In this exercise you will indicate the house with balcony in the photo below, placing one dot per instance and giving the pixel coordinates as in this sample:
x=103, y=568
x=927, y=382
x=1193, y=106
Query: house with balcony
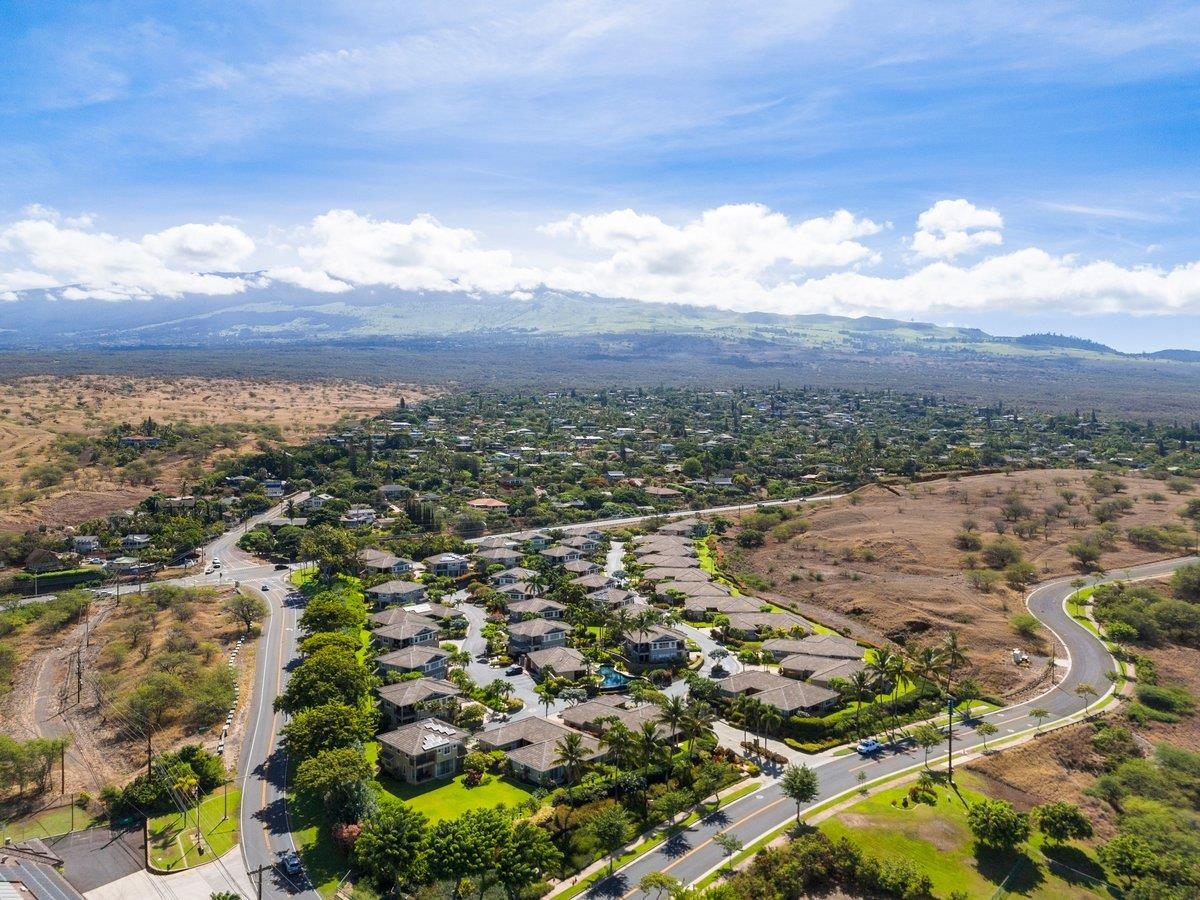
x=447, y=565
x=655, y=647
x=422, y=751
x=420, y=698
x=428, y=661
x=395, y=593
x=535, y=607
x=406, y=630
x=535, y=634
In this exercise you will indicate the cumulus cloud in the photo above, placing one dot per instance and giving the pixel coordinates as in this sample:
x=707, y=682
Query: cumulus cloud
x=422, y=254
x=201, y=248
x=951, y=228
x=742, y=257
x=42, y=253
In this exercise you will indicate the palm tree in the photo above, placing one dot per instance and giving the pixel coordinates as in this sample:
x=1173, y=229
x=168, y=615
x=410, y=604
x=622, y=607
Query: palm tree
x=740, y=707
x=674, y=711
x=619, y=741
x=545, y=698
x=953, y=658
x=620, y=623
x=887, y=668
x=188, y=786
x=698, y=720
x=649, y=745
x=860, y=686
x=571, y=755
x=770, y=719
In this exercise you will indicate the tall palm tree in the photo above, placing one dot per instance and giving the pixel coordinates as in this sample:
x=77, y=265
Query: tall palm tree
x=770, y=719
x=740, y=707
x=649, y=745
x=883, y=667
x=860, y=686
x=698, y=720
x=619, y=741
x=572, y=755
x=954, y=657
x=620, y=623
x=674, y=711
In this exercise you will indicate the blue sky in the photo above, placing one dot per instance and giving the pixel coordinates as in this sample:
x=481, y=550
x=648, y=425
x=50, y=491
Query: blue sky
x=670, y=151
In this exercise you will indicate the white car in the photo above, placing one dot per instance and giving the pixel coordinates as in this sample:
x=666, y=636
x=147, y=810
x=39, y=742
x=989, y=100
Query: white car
x=869, y=746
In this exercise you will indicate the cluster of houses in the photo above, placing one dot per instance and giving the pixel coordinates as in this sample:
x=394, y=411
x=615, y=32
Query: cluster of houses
x=809, y=663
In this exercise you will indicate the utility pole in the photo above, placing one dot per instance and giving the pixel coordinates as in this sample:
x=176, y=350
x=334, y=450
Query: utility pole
x=259, y=872
x=149, y=753
x=62, y=764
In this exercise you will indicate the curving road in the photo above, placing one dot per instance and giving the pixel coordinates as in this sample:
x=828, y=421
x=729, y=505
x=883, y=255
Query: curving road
x=691, y=855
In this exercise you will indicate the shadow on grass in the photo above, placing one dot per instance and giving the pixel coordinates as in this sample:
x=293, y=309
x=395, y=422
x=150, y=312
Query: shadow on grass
x=1074, y=866
x=1011, y=868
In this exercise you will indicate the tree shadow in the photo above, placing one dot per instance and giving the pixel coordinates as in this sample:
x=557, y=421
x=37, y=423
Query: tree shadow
x=1012, y=868
x=676, y=845
x=615, y=885
x=1073, y=865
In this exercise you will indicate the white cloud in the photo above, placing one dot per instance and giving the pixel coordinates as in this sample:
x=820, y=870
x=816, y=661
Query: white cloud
x=201, y=247
x=419, y=255
x=951, y=228
x=728, y=256
x=39, y=253
x=310, y=279
x=741, y=257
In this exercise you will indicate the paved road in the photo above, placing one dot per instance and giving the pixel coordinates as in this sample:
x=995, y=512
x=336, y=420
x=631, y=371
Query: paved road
x=691, y=855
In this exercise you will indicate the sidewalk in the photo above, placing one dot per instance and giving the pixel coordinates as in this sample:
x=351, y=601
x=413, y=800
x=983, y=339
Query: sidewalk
x=198, y=883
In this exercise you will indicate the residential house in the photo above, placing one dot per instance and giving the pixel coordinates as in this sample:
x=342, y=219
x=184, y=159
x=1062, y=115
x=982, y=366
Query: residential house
x=692, y=528
x=358, y=517
x=565, y=662
x=663, y=561
x=420, y=698
x=130, y=567
x=613, y=598
x=535, y=634
x=790, y=697
x=500, y=556
x=595, y=716
x=380, y=561
x=445, y=616
x=532, y=747
x=703, y=608
x=655, y=647
x=394, y=491
x=512, y=576
x=395, y=593
x=537, y=540
x=671, y=591
x=430, y=661
x=85, y=543
x=135, y=541
x=581, y=567
x=422, y=751
x=447, y=565
x=752, y=626
x=582, y=543
x=141, y=441
x=495, y=541
x=489, y=505
x=829, y=645
x=274, y=487
x=561, y=555
x=518, y=591
x=594, y=582
x=535, y=607
x=406, y=631
x=314, y=501
x=663, y=574
x=821, y=670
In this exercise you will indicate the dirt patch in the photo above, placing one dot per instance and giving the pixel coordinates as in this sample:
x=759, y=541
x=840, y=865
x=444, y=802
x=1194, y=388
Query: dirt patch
x=36, y=411
x=891, y=564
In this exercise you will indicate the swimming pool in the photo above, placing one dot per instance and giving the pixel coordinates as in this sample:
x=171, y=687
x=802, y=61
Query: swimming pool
x=611, y=679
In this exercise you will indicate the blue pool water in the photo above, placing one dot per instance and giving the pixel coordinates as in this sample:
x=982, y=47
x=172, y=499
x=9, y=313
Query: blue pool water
x=611, y=679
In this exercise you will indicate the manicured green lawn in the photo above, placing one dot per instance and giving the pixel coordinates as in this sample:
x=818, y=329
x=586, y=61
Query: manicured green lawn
x=440, y=800
x=937, y=841
x=47, y=823
x=173, y=846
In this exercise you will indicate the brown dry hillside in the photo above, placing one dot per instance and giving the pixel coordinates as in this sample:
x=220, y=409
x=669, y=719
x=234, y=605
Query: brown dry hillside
x=35, y=411
x=889, y=560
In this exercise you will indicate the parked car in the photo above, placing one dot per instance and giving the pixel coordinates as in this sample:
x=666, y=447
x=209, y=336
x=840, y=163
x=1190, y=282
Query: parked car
x=869, y=746
x=514, y=669
x=281, y=566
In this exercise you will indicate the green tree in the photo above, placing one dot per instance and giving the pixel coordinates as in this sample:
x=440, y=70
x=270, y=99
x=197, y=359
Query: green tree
x=671, y=804
x=1185, y=583
x=985, y=730
x=245, y=608
x=660, y=883
x=927, y=737
x=329, y=611
x=1085, y=691
x=329, y=726
x=526, y=857
x=1128, y=856
x=470, y=845
x=610, y=829
x=333, y=776
x=571, y=754
x=327, y=676
x=391, y=846
x=995, y=824
x=1039, y=714
x=799, y=784
x=728, y=842
x=1061, y=821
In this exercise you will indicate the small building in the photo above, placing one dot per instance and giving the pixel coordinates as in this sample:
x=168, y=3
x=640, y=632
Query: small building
x=581, y=567
x=561, y=555
x=447, y=565
x=595, y=717
x=821, y=670
x=358, y=517
x=692, y=528
x=833, y=646
x=655, y=647
x=274, y=487
x=535, y=607
x=594, y=582
x=703, y=608
x=537, y=540
x=396, y=593
x=790, y=697
x=429, y=661
x=489, y=505
x=411, y=701
x=314, y=501
x=380, y=561
x=533, y=745
x=613, y=598
x=752, y=626
x=565, y=662
x=500, y=556
x=535, y=634
x=406, y=631
x=135, y=542
x=422, y=751
x=394, y=491
x=85, y=543
x=514, y=575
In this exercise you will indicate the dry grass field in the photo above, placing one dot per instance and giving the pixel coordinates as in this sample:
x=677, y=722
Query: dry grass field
x=889, y=560
x=35, y=411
